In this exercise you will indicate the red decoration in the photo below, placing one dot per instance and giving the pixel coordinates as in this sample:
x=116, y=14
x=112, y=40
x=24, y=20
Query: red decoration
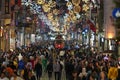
x=59, y=43
x=91, y=25
x=19, y=3
x=59, y=46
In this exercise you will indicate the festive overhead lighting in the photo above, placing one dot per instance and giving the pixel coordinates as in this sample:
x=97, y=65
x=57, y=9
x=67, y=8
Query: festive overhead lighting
x=76, y=2
x=55, y=11
x=74, y=18
x=86, y=1
x=66, y=15
x=46, y=7
x=85, y=7
x=52, y=4
x=68, y=3
x=67, y=0
x=47, y=11
x=50, y=16
x=70, y=7
x=71, y=12
x=77, y=9
x=40, y=1
x=77, y=15
x=26, y=2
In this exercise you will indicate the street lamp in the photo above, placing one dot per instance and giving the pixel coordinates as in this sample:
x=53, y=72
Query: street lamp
x=1, y=34
x=1, y=31
x=110, y=37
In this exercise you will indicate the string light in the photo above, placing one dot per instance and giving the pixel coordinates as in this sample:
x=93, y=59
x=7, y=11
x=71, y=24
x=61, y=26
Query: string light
x=47, y=11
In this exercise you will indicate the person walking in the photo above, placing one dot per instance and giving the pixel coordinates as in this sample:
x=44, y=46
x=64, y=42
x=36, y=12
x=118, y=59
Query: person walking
x=26, y=71
x=50, y=70
x=3, y=76
x=112, y=72
x=31, y=75
x=69, y=67
x=57, y=68
x=118, y=77
x=38, y=70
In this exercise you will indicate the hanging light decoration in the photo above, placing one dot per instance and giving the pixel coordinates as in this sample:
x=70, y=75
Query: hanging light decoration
x=74, y=18
x=85, y=7
x=69, y=5
x=86, y=1
x=55, y=11
x=76, y=2
x=68, y=19
x=50, y=16
x=40, y=1
x=49, y=13
x=77, y=9
x=77, y=15
x=67, y=0
x=71, y=12
x=52, y=4
x=46, y=7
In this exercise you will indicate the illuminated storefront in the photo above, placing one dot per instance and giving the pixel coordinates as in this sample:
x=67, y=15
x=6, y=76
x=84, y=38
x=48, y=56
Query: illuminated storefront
x=108, y=24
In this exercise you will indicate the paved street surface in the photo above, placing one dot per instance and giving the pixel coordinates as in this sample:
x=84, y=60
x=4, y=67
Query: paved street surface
x=45, y=76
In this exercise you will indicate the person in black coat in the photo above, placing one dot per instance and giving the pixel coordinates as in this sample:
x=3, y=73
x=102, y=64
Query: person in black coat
x=50, y=69
x=38, y=70
x=31, y=75
x=118, y=77
x=69, y=67
x=26, y=71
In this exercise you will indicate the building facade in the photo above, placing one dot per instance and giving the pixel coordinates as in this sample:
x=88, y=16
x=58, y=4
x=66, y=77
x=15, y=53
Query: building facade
x=6, y=29
x=109, y=28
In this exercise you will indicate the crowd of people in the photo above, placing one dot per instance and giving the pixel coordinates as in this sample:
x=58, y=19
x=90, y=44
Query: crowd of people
x=31, y=63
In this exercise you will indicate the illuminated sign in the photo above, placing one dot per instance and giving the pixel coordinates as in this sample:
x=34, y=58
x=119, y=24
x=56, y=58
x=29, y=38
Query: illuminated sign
x=116, y=13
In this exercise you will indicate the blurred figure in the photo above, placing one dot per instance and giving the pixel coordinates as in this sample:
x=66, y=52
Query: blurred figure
x=118, y=77
x=31, y=76
x=50, y=70
x=69, y=67
x=38, y=70
x=103, y=75
x=44, y=63
x=15, y=77
x=57, y=68
x=112, y=72
x=83, y=74
x=3, y=76
x=92, y=77
x=21, y=66
x=26, y=71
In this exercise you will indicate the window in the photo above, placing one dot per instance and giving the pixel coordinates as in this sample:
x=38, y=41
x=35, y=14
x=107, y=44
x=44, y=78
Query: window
x=7, y=6
x=0, y=5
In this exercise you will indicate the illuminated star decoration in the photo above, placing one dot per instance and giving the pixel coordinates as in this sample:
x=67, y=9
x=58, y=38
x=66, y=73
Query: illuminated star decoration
x=70, y=7
x=67, y=0
x=78, y=16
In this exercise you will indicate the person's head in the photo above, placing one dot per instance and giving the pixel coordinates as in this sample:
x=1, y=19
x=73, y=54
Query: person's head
x=28, y=66
x=83, y=70
x=2, y=75
x=112, y=64
x=14, y=74
x=30, y=73
x=92, y=77
x=102, y=75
